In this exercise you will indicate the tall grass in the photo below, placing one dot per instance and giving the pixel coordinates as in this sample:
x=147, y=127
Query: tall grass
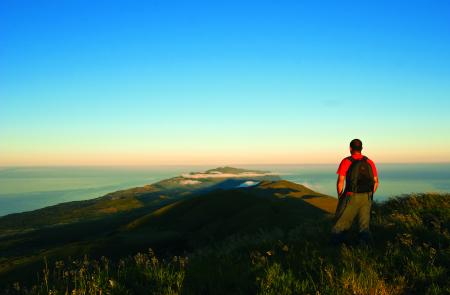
x=410, y=255
x=143, y=273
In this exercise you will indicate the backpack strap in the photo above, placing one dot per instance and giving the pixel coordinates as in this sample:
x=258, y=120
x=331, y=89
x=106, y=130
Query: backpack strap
x=347, y=176
x=351, y=159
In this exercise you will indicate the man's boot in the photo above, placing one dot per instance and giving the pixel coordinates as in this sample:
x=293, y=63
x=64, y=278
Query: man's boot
x=337, y=238
x=365, y=239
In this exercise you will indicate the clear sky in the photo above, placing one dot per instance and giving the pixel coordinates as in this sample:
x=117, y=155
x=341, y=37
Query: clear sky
x=223, y=82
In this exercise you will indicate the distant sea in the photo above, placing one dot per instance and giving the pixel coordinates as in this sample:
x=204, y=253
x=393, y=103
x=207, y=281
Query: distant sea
x=24, y=189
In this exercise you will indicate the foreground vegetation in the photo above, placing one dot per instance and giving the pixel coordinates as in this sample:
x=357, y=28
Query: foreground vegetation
x=410, y=255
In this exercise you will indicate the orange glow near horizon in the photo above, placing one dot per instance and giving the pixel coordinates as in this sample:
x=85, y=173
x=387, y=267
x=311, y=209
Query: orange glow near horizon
x=236, y=157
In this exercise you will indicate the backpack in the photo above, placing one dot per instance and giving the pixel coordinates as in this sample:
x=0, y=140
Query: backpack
x=359, y=178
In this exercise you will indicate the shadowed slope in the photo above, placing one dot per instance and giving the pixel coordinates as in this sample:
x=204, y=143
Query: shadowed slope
x=284, y=188
x=171, y=216
x=129, y=199
x=410, y=256
x=213, y=216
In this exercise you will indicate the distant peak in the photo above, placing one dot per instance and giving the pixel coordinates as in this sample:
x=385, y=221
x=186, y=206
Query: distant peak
x=233, y=170
x=227, y=172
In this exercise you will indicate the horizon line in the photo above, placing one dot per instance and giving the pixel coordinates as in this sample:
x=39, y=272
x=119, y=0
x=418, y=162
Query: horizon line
x=200, y=165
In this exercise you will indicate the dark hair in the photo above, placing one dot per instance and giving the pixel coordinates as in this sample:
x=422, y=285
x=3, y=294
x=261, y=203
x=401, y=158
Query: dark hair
x=356, y=145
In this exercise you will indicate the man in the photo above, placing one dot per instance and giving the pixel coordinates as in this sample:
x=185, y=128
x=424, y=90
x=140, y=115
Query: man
x=361, y=181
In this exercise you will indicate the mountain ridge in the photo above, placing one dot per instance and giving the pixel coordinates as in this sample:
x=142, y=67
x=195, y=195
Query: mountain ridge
x=169, y=215
x=121, y=200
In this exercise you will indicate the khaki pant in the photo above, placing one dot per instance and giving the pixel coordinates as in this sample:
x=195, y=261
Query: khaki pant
x=352, y=206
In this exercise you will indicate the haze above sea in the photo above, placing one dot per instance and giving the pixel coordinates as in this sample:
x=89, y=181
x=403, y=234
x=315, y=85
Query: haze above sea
x=30, y=188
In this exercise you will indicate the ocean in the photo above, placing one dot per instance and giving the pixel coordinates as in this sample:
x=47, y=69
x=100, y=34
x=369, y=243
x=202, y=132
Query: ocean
x=29, y=188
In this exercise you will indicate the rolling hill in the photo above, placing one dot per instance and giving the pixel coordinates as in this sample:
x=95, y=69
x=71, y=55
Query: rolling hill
x=224, y=231
x=176, y=215
x=157, y=194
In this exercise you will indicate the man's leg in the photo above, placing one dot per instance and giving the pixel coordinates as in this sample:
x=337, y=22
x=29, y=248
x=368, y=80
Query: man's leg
x=364, y=218
x=342, y=203
x=345, y=214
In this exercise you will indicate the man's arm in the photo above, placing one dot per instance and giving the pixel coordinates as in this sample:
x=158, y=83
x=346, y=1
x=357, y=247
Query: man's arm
x=375, y=175
x=340, y=185
x=375, y=179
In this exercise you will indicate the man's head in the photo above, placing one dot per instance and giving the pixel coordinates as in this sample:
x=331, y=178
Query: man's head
x=355, y=146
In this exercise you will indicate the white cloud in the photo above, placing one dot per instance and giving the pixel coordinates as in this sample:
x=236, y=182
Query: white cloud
x=189, y=182
x=225, y=175
x=248, y=183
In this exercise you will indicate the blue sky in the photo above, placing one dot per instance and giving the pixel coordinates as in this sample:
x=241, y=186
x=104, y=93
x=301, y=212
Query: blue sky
x=209, y=82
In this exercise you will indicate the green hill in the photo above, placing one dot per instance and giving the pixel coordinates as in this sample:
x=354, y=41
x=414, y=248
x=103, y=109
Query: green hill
x=120, y=223
x=157, y=194
x=223, y=231
x=208, y=218
x=411, y=255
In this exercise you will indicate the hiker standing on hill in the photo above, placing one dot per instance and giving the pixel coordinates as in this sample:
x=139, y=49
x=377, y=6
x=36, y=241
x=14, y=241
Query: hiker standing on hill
x=361, y=182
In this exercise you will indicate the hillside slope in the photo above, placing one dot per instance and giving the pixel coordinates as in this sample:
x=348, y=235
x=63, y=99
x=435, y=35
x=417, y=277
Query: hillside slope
x=127, y=200
x=208, y=218
x=198, y=208
x=411, y=255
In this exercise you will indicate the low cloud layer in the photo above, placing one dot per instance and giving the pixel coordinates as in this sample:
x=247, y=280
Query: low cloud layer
x=225, y=175
x=248, y=183
x=189, y=182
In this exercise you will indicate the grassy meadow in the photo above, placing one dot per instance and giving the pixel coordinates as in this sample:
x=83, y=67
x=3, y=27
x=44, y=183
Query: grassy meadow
x=410, y=255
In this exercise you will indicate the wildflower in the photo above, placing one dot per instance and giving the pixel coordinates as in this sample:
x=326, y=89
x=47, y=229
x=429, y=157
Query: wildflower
x=104, y=260
x=182, y=262
x=139, y=259
x=405, y=239
x=329, y=272
x=285, y=248
x=112, y=283
x=86, y=260
x=269, y=253
x=121, y=263
x=154, y=261
x=59, y=264
x=432, y=252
